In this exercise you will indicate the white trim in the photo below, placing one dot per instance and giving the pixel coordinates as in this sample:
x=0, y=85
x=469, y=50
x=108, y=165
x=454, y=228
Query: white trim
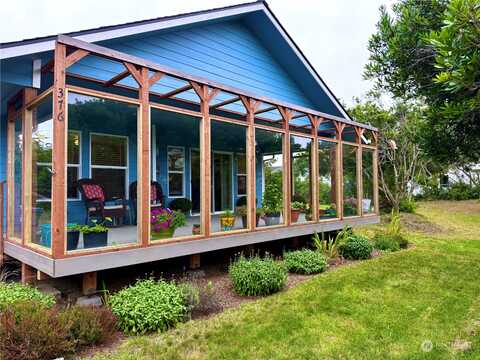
x=176, y=172
x=126, y=168
x=49, y=44
x=37, y=73
x=153, y=152
x=213, y=212
x=190, y=183
x=241, y=174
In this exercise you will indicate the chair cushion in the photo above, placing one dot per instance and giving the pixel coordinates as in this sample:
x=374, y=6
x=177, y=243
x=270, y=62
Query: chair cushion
x=93, y=191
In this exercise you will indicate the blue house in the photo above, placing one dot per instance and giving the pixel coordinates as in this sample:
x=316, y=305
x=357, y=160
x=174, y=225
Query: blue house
x=169, y=137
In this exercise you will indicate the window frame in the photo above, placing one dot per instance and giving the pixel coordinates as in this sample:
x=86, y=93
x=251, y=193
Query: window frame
x=176, y=172
x=237, y=155
x=78, y=166
x=126, y=167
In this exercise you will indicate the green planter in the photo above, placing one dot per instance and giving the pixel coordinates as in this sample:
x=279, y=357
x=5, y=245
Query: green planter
x=162, y=234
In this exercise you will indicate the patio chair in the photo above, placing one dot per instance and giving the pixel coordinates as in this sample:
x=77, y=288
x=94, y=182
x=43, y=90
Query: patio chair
x=93, y=195
x=157, y=199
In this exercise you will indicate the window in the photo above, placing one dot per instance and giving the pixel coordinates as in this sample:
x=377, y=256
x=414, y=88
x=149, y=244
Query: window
x=44, y=165
x=241, y=175
x=109, y=164
x=176, y=170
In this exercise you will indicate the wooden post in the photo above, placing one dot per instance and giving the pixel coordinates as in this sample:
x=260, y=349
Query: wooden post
x=28, y=95
x=287, y=165
x=194, y=261
x=89, y=283
x=205, y=96
x=59, y=193
x=29, y=274
x=376, y=199
x=359, y=132
x=314, y=166
x=339, y=174
x=10, y=168
x=251, y=107
x=2, y=204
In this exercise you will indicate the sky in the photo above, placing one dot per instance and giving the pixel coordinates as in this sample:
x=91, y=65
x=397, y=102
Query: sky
x=333, y=34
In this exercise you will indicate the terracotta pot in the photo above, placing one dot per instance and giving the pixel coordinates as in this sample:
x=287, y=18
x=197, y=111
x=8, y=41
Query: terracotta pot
x=196, y=230
x=294, y=214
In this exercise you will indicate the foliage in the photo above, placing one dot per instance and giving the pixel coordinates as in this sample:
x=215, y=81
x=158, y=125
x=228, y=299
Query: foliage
x=407, y=205
x=191, y=296
x=181, y=204
x=272, y=200
x=89, y=325
x=30, y=331
x=148, y=305
x=356, y=247
x=330, y=247
x=458, y=191
x=297, y=205
x=241, y=201
x=256, y=276
x=11, y=293
x=382, y=241
x=95, y=226
x=164, y=218
x=241, y=210
x=426, y=52
x=227, y=214
x=200, y=298
x=305, y=261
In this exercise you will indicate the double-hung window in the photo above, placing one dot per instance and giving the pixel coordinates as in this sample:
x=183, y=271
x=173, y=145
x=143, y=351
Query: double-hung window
x=44, y=165
x=241, y=175
x=176, y=171
x=109, y=163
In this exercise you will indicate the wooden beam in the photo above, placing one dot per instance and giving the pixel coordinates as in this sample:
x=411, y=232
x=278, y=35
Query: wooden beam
x=315, y=166
x=10, y=168
x=287, y=165
x=267, y=109
x=176, y=91
x=47, y=67
x=339, y=173
x=144, y=159
x=29, y=274
x=2, y=206
x=27, y=198
x=59, y=198
x=117, y=78
x=75, y=56
x=226, y=102
x=89, y=283
x=123, y=57
x=376, y=164
x=194, y=261
x=359, y=181
x=155, y=78
x=134, y=72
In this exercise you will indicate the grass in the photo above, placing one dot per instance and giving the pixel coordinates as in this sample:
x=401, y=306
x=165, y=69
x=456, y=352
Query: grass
x=384, y=308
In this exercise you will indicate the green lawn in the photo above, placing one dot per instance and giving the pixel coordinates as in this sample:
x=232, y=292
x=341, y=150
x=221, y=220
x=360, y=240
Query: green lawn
x=383, y=308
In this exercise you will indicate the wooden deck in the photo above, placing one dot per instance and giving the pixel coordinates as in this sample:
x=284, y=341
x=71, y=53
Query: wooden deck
x=118, y=258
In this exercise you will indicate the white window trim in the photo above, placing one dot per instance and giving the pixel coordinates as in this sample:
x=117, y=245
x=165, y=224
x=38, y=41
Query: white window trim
x=126, y=168
x=229, y=153
x=79, y=166
x=176, y=172
x=241, y=174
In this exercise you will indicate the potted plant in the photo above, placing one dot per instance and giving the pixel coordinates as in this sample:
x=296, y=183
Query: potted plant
x=272, y=203
x=94, y=235
x=227, y=220
x=73, y=235
x=181, y=204
x=196, y=229
x=242, y=211
x=297, y=207
x=164, y=222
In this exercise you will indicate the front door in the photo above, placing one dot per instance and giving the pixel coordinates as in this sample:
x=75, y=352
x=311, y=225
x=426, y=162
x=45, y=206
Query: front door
x=222, y=182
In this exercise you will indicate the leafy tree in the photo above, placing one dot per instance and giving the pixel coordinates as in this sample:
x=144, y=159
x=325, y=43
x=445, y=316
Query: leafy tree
x=427, y=52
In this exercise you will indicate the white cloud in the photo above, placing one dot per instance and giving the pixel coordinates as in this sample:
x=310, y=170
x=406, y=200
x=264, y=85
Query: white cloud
x=332, y=34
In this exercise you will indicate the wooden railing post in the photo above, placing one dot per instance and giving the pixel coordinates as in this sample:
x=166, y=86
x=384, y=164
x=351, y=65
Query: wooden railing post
x=206, y=95
x=2, y=204
x=251, y=107
x=376, y=164
x=359, y=133
x=339, y=174
x=59, y=193
x=314, y=166
x=287, y=164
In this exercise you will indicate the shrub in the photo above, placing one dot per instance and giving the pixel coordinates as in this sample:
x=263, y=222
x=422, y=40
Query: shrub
x=257, y=276
x=181, y=204
x=384, y=242
x=191, y=297
x=356, y=247
x=89, y=325
x=408, y=205
x=148, y=305
x=305, y=261
x=11, y=293
x=28, y=330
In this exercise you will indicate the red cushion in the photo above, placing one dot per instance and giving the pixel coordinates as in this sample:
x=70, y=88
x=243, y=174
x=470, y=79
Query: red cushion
x=93, y=191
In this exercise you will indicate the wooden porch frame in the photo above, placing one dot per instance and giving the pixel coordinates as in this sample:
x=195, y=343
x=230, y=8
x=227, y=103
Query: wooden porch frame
x=206, y=90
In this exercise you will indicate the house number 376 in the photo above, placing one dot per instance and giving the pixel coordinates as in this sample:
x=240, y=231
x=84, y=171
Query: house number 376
x=60, y=99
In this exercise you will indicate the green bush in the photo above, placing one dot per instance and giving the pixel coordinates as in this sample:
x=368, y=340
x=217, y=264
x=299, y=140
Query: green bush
x=384, y=242
x=89, y=325
x=148, y=305
x=256, y=276
x=11, y=293
x=29, y=330
x=408, y=205
x=458, y=191
x=181, y=204
x=356, y=247
x=305, y=261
